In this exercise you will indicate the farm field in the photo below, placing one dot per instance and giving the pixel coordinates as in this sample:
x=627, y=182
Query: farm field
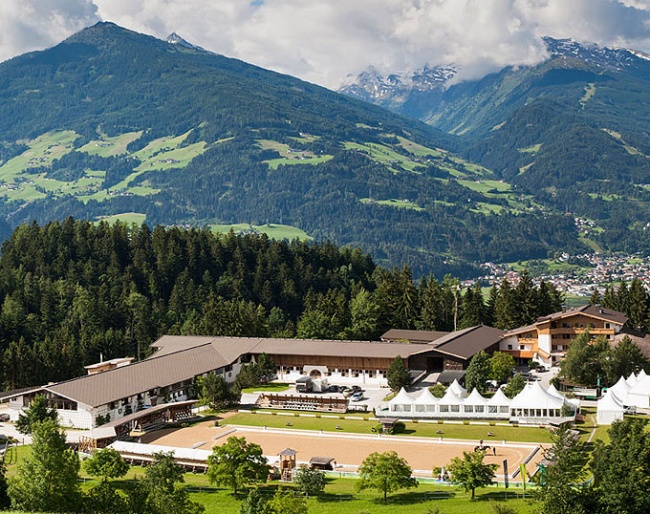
x=273, y=230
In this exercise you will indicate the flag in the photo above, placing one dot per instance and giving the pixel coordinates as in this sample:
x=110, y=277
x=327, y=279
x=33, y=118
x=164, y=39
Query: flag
x=522, y=469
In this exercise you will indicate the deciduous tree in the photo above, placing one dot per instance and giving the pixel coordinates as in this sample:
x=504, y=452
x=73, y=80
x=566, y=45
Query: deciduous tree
x=515, y=385
x=470, y=472
x=309, y=481
x=501, y=366
x=162, y=486
x=237, y=464
x=386, y=472
x=285, y=502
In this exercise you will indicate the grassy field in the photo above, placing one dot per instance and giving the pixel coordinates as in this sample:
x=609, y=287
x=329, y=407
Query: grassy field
x=273, y=230
x=267, y=388
x=110, y=146
x=398, y=204
x=126, y=217
x=291, y=156
x=364, y=426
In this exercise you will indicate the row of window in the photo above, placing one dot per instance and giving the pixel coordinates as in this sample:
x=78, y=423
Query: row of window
x=468, y=409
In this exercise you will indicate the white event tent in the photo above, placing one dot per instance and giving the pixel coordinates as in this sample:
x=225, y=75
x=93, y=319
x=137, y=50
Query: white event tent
x=638, y=394
x=533, y=405
x=609, y=409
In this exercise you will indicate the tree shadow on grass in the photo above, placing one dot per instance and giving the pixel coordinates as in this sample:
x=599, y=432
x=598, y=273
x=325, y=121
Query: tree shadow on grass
x=503, y=496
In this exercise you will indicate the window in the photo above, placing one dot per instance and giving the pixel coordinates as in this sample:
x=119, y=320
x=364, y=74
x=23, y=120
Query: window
x=522, y=347
x=607, y=325
x=455, y=408
x=444, y=408
x=509, y=347
x=566, y=336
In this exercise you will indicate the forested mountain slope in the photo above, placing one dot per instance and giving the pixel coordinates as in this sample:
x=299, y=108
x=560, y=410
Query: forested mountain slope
x=573, y=132
x=111, y=122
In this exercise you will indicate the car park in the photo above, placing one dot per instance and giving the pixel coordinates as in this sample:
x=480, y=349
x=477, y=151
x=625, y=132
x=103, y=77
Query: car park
x=357, y=397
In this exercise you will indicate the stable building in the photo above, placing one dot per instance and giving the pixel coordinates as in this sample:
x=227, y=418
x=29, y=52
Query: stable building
x=119, y=391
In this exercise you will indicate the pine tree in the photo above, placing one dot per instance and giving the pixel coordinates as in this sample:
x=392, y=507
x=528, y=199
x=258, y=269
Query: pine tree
x=397, y=374
x=478, y=372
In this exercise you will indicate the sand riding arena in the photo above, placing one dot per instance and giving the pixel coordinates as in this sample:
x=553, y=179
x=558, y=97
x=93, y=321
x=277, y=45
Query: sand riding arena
x=349, y=450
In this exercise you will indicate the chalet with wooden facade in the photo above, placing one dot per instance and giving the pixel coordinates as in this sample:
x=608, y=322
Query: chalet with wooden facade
x=548, y=339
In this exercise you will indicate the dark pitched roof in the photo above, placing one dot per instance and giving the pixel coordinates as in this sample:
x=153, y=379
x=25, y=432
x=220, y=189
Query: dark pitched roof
x=641, y=339
x=412, y=336
x=118, y=383
x=595, y=311
x=468, y=342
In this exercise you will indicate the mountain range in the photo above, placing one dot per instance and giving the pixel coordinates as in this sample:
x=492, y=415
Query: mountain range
x=115, y=124
x=572, y=131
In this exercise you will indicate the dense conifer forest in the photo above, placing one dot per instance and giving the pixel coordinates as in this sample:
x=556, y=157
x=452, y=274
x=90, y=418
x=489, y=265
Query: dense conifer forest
x=73, y=292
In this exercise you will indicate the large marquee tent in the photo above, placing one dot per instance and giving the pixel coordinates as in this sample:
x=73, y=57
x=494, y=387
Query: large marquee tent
x=609, y=409
x=533, y=405
x=633, y=391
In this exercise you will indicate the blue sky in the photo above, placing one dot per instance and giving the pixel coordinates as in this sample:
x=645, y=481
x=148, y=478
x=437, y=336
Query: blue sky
x=330, y=41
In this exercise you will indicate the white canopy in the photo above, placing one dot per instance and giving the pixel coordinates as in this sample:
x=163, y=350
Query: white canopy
x=609, y=409
x=458, y=389
x=639, y=393
x=552, y=390
x=535, y=397
x=426, y=398
x=620, y=389
x=401, y=397
x=450, y=398
x=499, y=399
x=475, y=398
x=631, y=380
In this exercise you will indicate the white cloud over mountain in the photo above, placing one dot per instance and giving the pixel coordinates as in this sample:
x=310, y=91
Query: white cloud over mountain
x=327, y=41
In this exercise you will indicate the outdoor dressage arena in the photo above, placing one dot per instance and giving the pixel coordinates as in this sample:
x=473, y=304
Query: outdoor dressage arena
x=348, y=449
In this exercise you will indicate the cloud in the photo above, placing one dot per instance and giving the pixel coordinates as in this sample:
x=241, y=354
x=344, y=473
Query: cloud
x=327, y=41
x=27, y=25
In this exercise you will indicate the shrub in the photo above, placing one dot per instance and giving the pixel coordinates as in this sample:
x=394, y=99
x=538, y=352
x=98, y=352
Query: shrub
x=440, y=421
x=465, y=422
x=399, y=427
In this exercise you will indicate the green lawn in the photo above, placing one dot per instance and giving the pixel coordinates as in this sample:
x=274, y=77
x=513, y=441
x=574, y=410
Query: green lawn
x=275, y=387
x=364, y=426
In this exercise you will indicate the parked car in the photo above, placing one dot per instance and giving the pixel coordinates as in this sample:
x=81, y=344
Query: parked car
x=357, y=397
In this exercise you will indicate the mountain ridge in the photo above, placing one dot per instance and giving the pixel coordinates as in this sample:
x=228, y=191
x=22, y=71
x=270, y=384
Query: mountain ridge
x=111, y=122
